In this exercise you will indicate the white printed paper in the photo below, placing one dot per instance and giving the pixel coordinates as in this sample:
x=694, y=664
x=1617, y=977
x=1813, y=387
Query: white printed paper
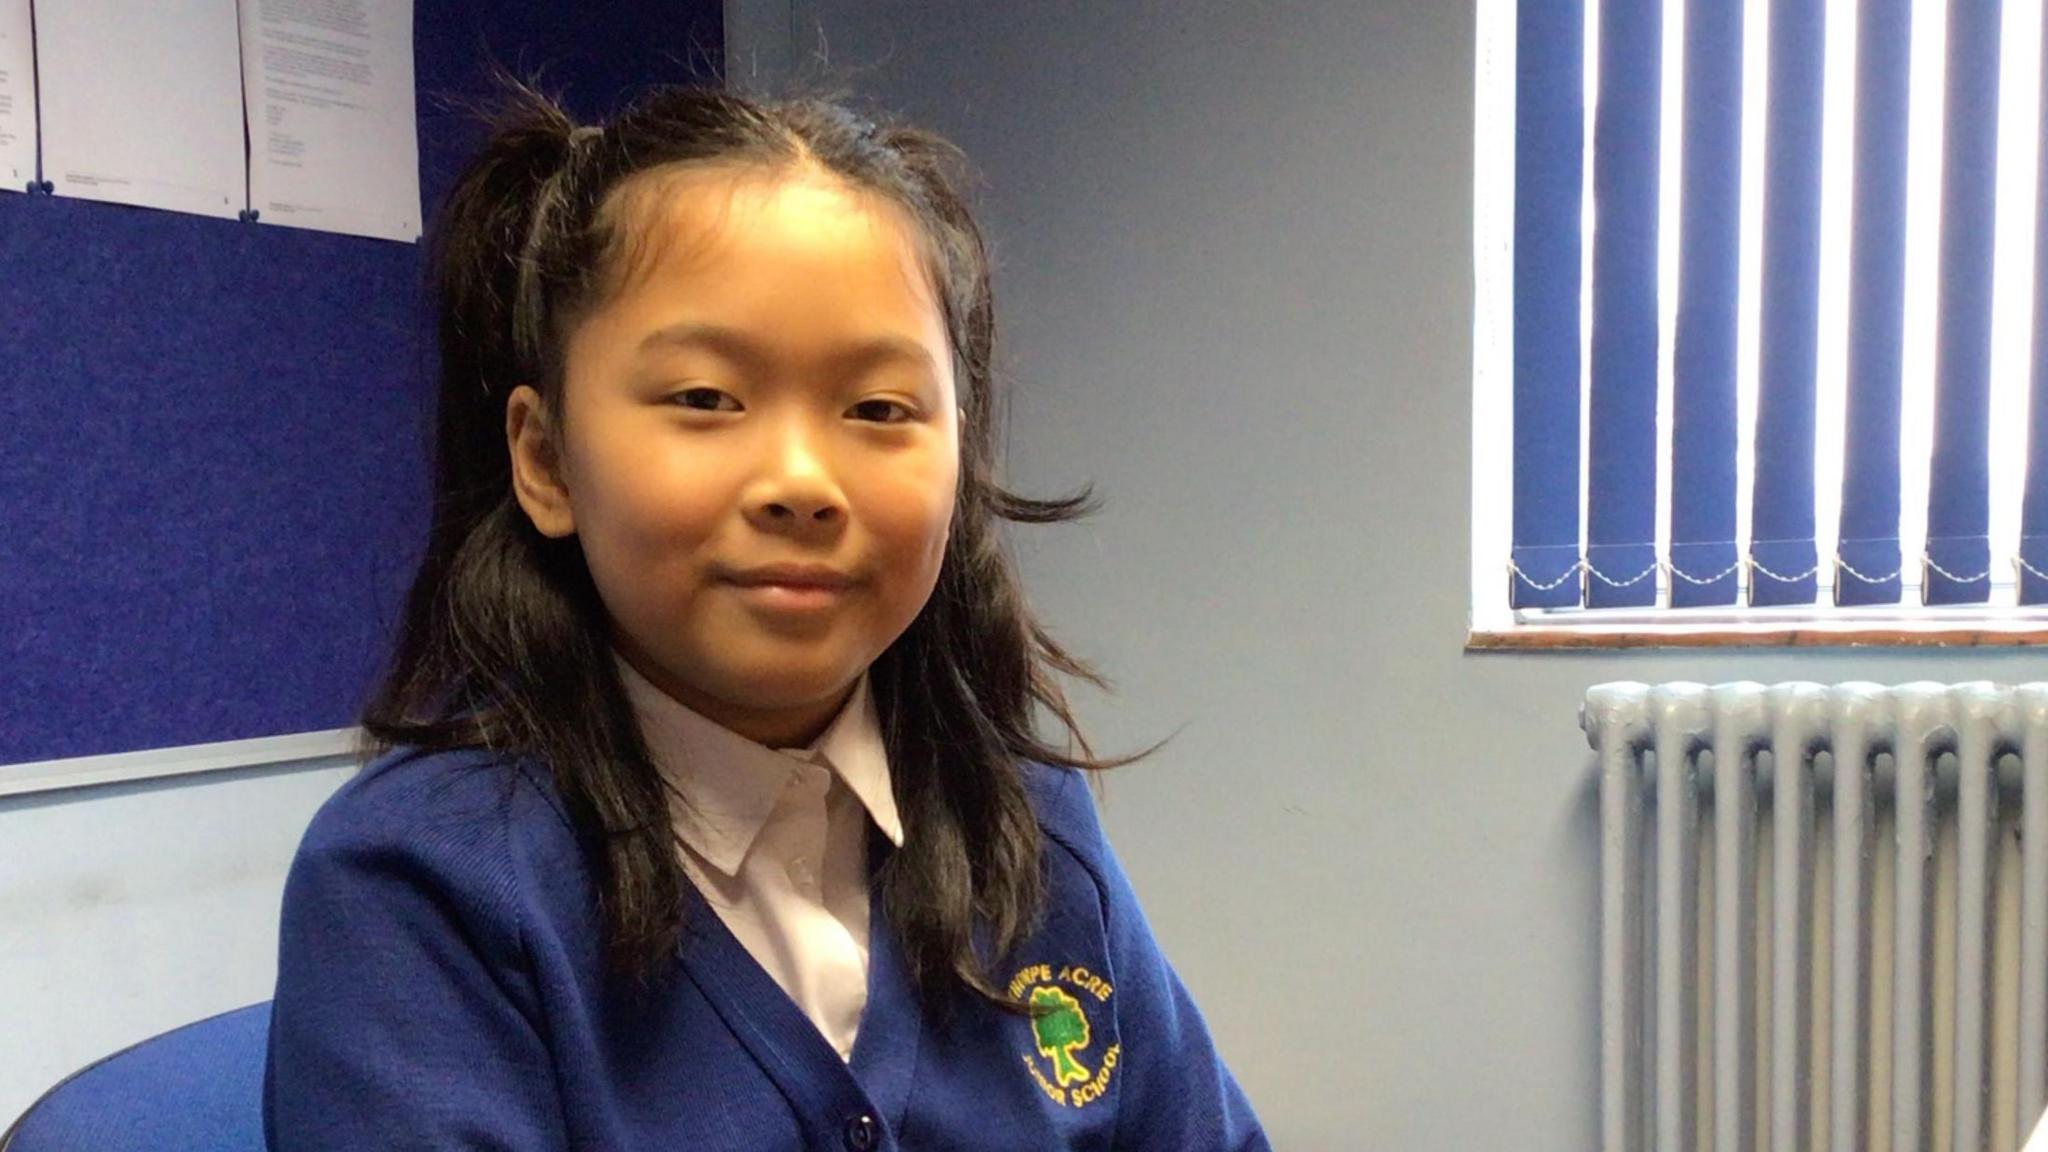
x=2038, y=1142
x=141, y=103
x=17, y=98
x=332, y=137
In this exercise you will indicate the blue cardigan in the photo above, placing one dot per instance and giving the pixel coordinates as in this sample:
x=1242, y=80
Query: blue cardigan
x=439, y=986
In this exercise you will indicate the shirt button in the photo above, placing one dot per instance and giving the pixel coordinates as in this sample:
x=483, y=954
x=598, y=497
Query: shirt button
x=861, y=1133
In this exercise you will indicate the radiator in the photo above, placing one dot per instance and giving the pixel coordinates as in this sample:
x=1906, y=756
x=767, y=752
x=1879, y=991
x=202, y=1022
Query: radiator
x=1872, y=972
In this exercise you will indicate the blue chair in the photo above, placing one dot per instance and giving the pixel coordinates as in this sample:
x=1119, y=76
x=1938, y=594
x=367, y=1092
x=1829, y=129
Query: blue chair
x=198, y=1088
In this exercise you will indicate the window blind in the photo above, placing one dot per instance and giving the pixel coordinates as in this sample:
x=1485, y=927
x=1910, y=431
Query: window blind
x=1801, y=421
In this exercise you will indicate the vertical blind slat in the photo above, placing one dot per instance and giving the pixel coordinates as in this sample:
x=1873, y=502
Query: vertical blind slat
x=1549, y=152
x=2033, y=548
x=1869, y=547
x=1958, y=498
x=1703, y=352
x=1782, y=547
x=1621, y=514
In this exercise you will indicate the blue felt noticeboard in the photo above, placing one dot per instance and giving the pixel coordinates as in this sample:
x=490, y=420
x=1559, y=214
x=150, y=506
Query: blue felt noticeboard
x=213, y=435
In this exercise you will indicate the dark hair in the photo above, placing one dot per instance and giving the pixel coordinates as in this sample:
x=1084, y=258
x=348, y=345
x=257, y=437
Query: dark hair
x=504, y=642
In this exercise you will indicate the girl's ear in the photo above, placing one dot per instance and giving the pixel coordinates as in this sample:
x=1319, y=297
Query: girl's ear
x=536, y=465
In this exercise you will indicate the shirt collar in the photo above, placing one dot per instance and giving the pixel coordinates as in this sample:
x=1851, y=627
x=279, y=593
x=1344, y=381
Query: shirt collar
x=732, y=783
x=852, y=747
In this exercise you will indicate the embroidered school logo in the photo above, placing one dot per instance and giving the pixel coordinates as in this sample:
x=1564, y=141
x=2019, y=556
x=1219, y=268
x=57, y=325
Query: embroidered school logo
x=1062, y=1028
x=1062, y=1037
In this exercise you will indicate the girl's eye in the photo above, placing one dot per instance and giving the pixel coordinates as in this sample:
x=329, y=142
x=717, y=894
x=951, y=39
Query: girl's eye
x=880, y=411
x=705, y=400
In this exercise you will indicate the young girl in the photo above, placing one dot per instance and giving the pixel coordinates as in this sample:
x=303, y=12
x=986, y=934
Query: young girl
x=706, y=810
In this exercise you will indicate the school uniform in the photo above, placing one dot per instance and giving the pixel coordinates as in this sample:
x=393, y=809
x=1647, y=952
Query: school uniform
x=440, y=981
x=775, y=840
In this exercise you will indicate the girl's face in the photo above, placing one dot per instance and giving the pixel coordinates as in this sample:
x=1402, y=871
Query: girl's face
x=772, y=386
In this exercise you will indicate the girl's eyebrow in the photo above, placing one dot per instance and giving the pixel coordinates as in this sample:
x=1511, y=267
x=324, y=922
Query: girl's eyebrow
x=738, y=346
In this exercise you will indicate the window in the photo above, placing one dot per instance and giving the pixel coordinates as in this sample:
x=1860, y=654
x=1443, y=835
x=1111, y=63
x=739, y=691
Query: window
x=1756, y=307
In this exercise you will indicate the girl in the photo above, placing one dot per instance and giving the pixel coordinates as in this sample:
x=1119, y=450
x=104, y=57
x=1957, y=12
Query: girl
x=706, y=810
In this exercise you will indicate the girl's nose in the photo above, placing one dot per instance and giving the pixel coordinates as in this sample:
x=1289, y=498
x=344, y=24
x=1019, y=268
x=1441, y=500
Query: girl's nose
x=796, y=489
x=800, y=510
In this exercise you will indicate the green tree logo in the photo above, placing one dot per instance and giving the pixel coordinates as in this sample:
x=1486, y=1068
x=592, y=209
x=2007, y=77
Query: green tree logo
x=1060, y=1027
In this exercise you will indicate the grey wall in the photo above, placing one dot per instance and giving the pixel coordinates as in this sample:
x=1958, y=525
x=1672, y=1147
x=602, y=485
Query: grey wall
x=1235, y=246
x=129, y=909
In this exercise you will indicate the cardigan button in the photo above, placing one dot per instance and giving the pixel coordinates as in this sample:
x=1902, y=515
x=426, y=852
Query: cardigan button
x=861, y=1134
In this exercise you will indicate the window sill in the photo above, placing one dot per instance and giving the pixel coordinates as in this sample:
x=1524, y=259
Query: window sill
x=1764, y=628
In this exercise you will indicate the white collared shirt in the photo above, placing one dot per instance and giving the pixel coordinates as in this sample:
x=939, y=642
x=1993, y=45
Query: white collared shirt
x=776, y=840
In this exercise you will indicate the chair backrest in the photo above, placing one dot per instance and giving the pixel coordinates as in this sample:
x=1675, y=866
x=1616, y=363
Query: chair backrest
x=198, y=1088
